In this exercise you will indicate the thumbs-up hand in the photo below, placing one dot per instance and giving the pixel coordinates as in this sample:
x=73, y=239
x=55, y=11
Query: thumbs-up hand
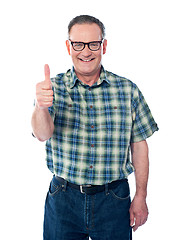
x=44, y=92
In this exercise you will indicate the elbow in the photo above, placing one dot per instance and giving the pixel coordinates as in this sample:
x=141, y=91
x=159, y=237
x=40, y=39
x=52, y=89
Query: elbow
x=43, y=134
x=141, y=146
x=43, y=138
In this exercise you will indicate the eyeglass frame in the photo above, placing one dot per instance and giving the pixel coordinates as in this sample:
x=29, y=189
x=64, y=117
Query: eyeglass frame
x=72, y=42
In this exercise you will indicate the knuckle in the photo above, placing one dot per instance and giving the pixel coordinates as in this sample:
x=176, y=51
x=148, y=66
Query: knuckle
x=46, y=85
x=38, y=85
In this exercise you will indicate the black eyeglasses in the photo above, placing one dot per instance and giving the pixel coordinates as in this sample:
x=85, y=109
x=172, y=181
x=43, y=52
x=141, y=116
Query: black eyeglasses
x=93, y=46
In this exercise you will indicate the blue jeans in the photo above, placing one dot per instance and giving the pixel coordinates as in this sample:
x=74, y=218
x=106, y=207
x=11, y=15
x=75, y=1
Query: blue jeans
x=72, y=215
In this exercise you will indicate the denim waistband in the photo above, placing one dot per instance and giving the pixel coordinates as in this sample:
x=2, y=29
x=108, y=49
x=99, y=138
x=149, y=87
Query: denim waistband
x=90, y=189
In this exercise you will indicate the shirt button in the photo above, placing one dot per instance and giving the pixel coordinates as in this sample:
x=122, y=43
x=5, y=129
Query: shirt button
x=92, y=145
x=91, y=166
x=92, y=126
x=91, y=106
x=115, y=107
x=89, y=89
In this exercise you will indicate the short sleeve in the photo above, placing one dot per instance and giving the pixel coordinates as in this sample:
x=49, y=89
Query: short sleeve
x=144, y=124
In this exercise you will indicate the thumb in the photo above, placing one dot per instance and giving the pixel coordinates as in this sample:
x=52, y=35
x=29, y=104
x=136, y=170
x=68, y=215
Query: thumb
x=132, y=219
x=47, y=73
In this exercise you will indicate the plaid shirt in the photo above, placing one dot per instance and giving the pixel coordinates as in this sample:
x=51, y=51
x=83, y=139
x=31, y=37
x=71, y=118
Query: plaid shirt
x=94, y=127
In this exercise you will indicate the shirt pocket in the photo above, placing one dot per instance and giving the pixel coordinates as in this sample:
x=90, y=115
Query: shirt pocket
x=114, y=117
x=71, y=119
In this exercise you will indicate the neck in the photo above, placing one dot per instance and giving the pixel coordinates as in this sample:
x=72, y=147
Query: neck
x=89, y=79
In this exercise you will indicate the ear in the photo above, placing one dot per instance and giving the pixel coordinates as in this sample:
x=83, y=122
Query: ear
x=104, y=46
x=68, y=47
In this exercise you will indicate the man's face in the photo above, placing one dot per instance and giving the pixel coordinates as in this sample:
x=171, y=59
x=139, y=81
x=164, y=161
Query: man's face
x=86, y=62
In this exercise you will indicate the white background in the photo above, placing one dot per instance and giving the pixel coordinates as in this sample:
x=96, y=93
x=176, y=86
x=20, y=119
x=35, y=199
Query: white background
x=142, y=46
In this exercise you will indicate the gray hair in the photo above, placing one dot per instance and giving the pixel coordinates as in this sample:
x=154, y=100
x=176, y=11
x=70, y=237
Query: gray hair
x=86, y=19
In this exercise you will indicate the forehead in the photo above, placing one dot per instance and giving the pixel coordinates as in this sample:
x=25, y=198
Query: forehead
x=85, y=32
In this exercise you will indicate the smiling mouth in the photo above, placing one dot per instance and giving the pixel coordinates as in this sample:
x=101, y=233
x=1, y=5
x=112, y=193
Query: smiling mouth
x=86, y=60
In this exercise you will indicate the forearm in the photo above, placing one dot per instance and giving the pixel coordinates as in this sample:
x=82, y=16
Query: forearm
x=42, y=124
x=138, y=208
x=140, y=162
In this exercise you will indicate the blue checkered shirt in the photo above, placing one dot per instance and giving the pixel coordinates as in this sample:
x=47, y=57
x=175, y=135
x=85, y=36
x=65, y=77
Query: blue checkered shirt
x=94, y=127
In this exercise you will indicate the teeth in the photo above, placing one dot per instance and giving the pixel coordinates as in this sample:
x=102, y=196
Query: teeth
x=86, y=60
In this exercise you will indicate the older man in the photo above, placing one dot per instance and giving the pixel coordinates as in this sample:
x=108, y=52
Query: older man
x=91, y=119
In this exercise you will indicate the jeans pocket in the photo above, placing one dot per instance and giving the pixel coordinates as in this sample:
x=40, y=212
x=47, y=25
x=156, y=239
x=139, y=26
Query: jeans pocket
x=54, y=188
x=121, y=192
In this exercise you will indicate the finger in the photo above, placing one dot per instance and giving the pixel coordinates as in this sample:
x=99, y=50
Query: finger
x=45, y=92
x=137, y=224
x=44, y=103
x=48, y=99
x=47, y=73
x=144, y=221
x=45, y=99
x=132, y=219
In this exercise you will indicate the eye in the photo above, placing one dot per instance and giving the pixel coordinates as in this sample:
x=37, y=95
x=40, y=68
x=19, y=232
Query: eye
x=78, y=44
x=94, y=44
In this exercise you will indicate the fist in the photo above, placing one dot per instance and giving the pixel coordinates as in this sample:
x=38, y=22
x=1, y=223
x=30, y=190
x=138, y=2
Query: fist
x=44, y=92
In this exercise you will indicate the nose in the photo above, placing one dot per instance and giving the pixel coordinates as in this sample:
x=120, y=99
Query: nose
x=86, y=51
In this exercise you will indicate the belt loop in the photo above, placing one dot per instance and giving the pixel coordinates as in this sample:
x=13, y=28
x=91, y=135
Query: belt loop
x=106, y=189
x=64, y=185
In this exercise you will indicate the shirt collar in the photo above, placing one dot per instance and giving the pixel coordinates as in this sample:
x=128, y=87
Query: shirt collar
x=74, y=78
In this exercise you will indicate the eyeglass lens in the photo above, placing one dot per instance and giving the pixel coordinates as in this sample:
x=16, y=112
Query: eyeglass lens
x=93, y=46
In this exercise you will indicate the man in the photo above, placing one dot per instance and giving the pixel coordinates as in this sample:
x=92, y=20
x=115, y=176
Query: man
x=91, y=118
